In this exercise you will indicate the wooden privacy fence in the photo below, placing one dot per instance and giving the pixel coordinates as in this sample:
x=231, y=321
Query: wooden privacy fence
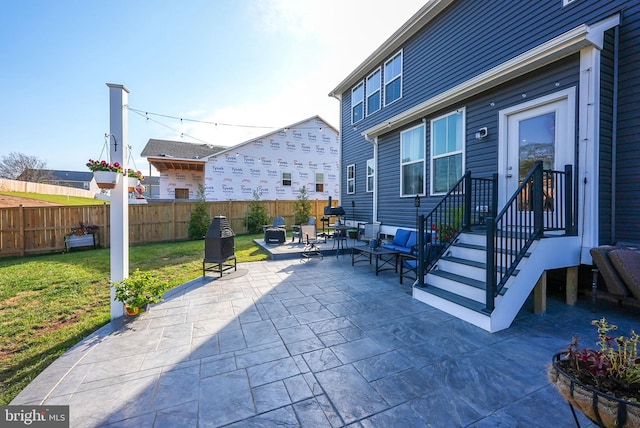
x=40, y=230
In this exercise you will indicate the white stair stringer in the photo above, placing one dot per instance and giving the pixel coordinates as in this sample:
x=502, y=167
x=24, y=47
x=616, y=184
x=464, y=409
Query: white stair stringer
x=451, y=292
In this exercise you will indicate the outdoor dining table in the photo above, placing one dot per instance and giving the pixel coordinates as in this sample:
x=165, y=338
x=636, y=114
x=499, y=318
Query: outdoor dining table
x=385, y=259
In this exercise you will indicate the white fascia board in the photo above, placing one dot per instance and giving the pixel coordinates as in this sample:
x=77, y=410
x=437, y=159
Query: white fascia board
x=559, y=47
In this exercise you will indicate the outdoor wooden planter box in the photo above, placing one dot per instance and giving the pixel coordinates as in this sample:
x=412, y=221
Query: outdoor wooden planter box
x=76, y=241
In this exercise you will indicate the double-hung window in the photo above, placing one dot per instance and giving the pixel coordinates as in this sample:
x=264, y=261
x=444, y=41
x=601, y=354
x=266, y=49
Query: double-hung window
x=351, y=179
x=371, y=171
x=447, y=151
x=393, y=79
x=373, y=92
x=357, y=103
x=319, y=182
x=286, y=179
x=412, y=162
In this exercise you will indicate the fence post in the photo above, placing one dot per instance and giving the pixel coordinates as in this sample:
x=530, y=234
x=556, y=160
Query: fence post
x=173, y=220
x=21, y=240
x=103, y=238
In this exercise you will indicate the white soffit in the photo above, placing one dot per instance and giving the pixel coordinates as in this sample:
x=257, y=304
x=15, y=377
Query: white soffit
x=562, y=46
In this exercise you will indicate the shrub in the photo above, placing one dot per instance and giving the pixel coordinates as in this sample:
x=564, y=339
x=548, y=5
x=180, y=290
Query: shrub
x=257, y=216
x=302, y=207
x=200, y=218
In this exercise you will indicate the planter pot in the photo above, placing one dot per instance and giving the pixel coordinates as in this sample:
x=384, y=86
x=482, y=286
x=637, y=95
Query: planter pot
x=132, y=182
x=603, y=409
x=131, y=310
x=106, y=179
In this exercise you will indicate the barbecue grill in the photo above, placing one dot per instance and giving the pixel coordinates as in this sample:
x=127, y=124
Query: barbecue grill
x=219, y=247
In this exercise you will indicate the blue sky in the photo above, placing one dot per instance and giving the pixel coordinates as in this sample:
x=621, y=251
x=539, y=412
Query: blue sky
x=264, y=63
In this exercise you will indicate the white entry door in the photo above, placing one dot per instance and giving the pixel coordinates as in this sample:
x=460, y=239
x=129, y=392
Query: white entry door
x=542, y=129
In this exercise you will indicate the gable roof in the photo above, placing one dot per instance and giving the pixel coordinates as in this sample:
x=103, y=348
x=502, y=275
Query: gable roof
x=421, y=18
x=262, y=137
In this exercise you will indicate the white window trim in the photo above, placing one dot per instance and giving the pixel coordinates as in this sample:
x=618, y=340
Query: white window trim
x=364, y=100
x=367, y=94
x=461, y=151
x=384, y=79
x=423, y=160
x=353, y=167
x=373, y=175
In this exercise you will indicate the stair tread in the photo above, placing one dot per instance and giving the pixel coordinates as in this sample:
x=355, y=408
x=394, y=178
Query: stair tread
x=458, y=278
x=483, y=248
x=473, y=263
x=459, y=300
x=462, y=279
x=467, y=262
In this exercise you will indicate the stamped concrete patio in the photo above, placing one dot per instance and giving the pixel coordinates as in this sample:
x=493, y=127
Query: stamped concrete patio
x=317, y=344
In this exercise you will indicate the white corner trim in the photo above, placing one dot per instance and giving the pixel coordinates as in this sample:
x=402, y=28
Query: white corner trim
x=559, y=47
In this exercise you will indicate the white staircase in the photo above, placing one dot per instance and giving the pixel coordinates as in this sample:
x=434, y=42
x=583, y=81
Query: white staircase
x=456, y=284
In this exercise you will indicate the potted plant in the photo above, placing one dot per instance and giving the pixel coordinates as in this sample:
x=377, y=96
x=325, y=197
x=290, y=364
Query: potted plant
x=353, y=233
x=133, y=177
x=138, y=290
x=603, y=383
x=106, y=174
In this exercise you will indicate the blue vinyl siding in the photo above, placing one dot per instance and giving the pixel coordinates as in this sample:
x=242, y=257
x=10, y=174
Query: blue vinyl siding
x=628, y=143
x=605, y=183
x=454, y=48
x=481, y=155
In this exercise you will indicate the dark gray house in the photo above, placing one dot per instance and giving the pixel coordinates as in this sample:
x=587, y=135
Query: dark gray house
x=479, y=91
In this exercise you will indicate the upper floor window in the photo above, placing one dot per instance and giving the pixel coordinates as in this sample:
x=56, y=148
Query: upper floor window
x=373, y=92
x=412, y=162
x=357, y=103
x=319, y=182
x=393, y=79
x=286, y=179
x=351, y=179
x=447, y=151
x=371, y=171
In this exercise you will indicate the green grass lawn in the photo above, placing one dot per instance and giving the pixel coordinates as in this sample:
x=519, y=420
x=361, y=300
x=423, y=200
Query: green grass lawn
x=57, y=199
x=49, y=303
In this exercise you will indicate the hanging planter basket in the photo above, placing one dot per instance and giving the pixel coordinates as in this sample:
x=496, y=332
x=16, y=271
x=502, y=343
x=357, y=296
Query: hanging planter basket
x=602, y=409
x=132, y=182
x=106, y=179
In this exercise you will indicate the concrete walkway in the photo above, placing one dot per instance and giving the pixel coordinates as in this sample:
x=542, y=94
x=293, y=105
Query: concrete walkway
x=319, y=343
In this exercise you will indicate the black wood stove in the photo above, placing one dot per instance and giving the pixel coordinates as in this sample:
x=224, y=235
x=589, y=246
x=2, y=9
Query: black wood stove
x=219, y=247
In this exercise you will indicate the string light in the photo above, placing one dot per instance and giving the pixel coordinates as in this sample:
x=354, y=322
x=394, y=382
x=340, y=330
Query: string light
x=182, y=120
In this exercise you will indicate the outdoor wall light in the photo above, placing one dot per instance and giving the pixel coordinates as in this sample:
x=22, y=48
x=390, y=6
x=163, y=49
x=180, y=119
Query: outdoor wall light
x=416, y=201
x=482, y=133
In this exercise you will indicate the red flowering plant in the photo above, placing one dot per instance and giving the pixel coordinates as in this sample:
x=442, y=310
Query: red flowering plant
x=103, y=165
x=135, y=174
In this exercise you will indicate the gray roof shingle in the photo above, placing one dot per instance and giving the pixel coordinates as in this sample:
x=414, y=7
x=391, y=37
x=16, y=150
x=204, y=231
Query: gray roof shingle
x=179, y=149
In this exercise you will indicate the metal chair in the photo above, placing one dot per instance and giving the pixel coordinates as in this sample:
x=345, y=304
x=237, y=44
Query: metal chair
x=296, y=231
x=371, y=231
x=310, y=234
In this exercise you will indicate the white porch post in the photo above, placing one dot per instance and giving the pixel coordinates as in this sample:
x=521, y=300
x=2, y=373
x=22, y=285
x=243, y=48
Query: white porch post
x=119, y=152
x=589, y=131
